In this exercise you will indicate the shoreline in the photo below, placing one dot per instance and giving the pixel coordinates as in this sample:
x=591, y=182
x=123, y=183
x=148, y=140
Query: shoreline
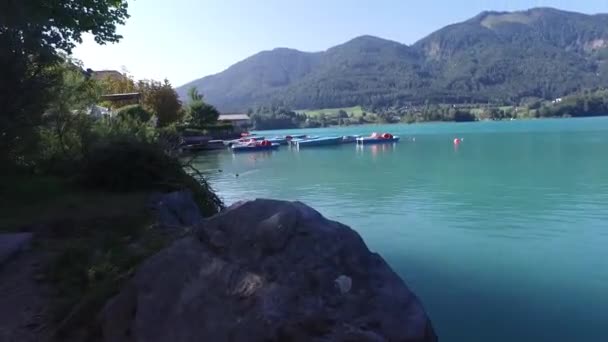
x=426, y=123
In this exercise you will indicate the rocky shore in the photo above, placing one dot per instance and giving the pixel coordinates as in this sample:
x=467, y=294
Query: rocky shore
x=266, y=270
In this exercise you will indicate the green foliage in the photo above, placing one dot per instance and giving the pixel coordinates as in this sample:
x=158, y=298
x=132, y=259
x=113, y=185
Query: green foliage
x=25, y=91
x=32, y=36
x=67, y=119
x=47, y=28
x=134, y=112
x=131, y=165
x=69, y=127
x=577, y=105
x=157, y=98
x=127, y=165
x=276, y=118
x=93, y=259
x=121, y=128
x=115, y=84
x=200, y=113
x=496, y=58
x=356, y=111
x=161, y=99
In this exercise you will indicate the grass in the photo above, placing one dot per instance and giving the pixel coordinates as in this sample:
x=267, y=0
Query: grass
x=91, y=260
x=92, y=241
x=357, y=111
x=35, y=200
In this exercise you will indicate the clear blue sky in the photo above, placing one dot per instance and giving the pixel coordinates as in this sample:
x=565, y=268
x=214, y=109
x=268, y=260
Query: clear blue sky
x=184, y=40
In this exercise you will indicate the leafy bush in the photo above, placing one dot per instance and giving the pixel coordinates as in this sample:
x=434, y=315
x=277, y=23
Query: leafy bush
x=127, y=165
x=124, y=127
x=135, y=112
x=132, y=165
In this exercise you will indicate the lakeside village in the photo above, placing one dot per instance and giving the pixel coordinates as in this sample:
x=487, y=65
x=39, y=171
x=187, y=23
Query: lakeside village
x=231, y=131
x=216, y=131
x=203, y=128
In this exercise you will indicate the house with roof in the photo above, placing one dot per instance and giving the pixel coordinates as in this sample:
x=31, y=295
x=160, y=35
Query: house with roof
x=236, y=120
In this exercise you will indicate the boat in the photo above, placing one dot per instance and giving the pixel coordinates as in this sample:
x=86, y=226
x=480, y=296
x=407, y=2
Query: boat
x=278, y=140
x=204, y=146
x=297, y=136
x=215, y=145
x=294, y=141
x=243, y=140
x=253, y=146
x=376, y=138
x=324, y=141
x=348, y=139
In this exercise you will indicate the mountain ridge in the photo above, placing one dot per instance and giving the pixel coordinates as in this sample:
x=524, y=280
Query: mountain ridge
x=493, y=56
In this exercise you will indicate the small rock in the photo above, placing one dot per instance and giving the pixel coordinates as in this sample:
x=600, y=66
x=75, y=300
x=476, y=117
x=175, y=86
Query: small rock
x=344, y=283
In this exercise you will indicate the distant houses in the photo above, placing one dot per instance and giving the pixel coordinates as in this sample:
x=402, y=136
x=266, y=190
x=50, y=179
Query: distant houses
x=236, y=120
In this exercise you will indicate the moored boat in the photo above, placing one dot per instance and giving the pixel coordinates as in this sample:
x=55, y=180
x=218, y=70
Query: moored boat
x=243, y=140
x=294, y=141
x=376, y=138
x=324, y=141
x=204, y=146
x=253, y=146
x=278, y=140
x=348, y=139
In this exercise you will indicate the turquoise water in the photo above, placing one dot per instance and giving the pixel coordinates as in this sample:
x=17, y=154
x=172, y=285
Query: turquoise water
x=504, y=238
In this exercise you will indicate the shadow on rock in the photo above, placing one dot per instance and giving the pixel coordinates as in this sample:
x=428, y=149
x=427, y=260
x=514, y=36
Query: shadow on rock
x=266, y=270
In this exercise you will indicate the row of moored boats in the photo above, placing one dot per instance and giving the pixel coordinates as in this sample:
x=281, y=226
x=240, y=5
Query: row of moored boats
x=259, y=143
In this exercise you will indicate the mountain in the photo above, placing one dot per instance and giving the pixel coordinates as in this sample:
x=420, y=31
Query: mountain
x=495, y=56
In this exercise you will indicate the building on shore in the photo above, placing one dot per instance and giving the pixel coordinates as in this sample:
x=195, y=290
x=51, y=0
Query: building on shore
x=241, y=121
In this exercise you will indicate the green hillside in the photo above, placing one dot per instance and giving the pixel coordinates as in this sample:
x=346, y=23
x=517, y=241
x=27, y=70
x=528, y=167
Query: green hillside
x=495, y=57
x=356, y=111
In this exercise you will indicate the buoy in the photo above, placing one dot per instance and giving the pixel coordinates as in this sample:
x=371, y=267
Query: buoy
x=456, y=141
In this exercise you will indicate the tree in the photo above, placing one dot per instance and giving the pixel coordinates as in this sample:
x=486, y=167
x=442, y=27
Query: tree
x=68, y=114
x=342, y=114
x=200, y=113
x=160, y=99
x=33, y=36
x=115, y=84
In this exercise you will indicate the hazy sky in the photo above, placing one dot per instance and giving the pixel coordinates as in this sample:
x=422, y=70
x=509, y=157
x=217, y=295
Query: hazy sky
x=184, y=40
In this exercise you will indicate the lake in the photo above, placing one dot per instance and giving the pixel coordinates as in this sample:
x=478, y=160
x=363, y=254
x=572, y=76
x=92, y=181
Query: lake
x=503, y=238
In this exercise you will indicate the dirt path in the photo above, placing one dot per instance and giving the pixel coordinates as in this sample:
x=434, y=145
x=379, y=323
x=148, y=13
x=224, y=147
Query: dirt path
x=24, y=311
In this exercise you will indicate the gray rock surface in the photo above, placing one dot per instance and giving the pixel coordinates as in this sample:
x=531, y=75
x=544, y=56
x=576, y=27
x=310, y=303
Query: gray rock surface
x=266, y=270
x=13, y=243
x=176, y=209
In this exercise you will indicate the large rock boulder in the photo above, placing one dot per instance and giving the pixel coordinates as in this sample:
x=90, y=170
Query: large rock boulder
x=266, y=270
x=176, y=209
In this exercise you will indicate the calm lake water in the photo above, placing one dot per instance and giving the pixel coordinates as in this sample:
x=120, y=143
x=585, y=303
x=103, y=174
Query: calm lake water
x=504, y=238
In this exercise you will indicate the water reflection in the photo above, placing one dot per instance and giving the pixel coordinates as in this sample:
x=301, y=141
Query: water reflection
x=206, y=162
x=252, y=158
x=376, y=149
